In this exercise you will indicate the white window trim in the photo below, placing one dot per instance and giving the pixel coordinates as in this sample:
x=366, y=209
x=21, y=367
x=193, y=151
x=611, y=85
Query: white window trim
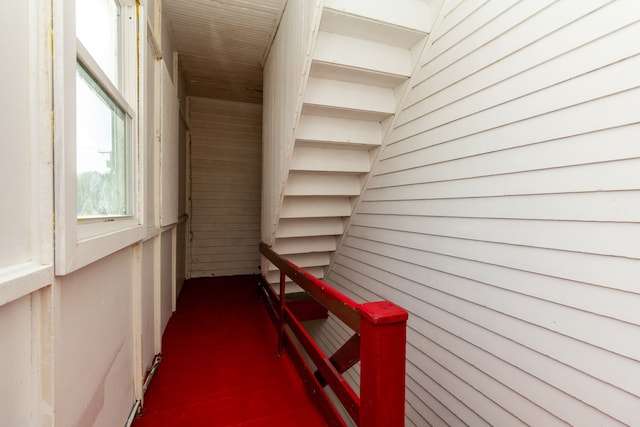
x=78, y=244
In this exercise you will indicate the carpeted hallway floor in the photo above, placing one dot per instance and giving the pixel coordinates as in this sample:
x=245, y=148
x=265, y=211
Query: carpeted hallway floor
x=220, y=366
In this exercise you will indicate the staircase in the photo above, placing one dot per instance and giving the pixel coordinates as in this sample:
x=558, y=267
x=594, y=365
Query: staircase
x=364, y=54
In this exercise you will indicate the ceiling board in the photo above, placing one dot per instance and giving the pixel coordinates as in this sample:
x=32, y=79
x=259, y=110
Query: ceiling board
x=222, y=44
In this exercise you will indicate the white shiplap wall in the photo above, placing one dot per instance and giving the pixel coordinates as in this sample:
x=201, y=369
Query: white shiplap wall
x=504, y=215
x=225, y=187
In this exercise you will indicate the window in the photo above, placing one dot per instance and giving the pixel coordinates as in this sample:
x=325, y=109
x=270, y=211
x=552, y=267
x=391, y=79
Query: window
x=95, y=104
x=98, y=28
x=102, y=152
x=103, y=138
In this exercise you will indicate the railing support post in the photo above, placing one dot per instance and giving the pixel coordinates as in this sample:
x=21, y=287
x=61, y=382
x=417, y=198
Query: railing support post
x=283, y=301
x=382, y=364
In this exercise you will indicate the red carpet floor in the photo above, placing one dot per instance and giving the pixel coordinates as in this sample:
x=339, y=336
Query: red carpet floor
x=220, y=366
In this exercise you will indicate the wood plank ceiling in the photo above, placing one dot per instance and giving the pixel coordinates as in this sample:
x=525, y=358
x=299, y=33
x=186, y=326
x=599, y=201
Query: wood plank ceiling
x=223, y=44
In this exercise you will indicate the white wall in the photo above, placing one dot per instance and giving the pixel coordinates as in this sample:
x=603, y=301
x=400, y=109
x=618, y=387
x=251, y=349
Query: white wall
x=15, y=126
x=75, y=347
x=94, y=377
x=26, y=220
x=503, y=214
x=225, y=187
x=150, y=344
x=15, y=371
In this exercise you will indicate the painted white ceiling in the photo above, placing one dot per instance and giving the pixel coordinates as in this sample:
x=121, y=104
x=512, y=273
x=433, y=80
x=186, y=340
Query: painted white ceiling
x=223, y=44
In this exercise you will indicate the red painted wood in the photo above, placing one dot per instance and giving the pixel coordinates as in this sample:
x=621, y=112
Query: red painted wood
x=344, y=358
x=341, y=306
x=340, y=387
x=347, y=355
x=326, y=369
x=382, y=312
x=305, y=310
x=314, y=388
x=283, y=300
x=382, y=346
x=382, y=364
x=322, y=400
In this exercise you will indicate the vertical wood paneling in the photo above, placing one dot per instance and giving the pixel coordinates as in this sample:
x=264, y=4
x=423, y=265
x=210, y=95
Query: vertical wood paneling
x=16, y=155
x=225, y=187
x=151, y=148
x=95, y=337
x=16, y=389
x=169, y=152
x=503, y=215
x=167, y=279
x=147, y=304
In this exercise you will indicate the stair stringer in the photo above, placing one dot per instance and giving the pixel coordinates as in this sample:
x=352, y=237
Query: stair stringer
x=282, y=106
x=418, y=51
x=346, y=112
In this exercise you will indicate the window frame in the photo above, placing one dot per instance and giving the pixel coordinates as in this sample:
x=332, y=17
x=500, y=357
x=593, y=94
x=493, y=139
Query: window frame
x=79, y=242
x=91, y=69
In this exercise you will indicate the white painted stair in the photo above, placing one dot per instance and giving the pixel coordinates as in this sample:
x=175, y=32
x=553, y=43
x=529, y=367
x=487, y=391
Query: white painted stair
x=364, y=53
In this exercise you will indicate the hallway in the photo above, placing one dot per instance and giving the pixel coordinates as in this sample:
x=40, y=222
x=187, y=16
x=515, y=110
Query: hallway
x=472, y=163
x=220, y=366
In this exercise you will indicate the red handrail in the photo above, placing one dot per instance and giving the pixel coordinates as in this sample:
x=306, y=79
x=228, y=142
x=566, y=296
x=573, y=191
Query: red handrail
x=379, y=344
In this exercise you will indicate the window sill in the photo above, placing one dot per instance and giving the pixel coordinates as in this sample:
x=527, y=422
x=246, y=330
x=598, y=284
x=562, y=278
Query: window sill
x=23, y=279
x=91, y=246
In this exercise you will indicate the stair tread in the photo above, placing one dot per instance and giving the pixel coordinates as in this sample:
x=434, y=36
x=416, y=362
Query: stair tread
x=328, y=111
x=338, y=130
x=307, y=260
x=400, y=21
x=273, y=277
x=316, y=184
x=295, y=245
x=327, y=159
x=309, y=207
x=299, y=227
x=335, y=71
x=361, y=54
x=348, y=100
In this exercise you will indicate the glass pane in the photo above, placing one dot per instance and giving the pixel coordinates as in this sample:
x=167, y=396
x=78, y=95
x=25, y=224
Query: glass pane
x=97, y=27
x=102, y=152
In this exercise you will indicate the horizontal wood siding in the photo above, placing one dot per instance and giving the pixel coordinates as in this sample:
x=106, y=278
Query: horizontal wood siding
x=225, y=187
x=504, y=215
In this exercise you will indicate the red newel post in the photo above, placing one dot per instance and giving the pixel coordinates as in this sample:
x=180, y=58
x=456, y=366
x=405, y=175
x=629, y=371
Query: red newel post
x=383, y=337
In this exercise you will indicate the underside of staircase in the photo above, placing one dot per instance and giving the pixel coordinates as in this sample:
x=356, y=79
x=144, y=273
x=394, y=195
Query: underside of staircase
x=362, y=58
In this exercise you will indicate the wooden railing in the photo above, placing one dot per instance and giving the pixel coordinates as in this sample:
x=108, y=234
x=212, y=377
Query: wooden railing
x=378, y=343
